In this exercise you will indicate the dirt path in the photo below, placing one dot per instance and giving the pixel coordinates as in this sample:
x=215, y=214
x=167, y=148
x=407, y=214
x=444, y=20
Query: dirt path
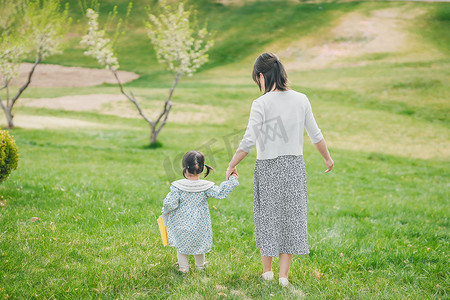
x=48, y=122
x=118, y=105
x=354, y=36
x=58, y=76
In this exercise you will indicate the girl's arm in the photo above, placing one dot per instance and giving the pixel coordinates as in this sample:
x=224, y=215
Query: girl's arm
x=225, y=188
x=171, y=201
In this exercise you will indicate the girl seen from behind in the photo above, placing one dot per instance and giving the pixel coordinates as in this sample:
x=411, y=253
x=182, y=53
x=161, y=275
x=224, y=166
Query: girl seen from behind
x=186, y=213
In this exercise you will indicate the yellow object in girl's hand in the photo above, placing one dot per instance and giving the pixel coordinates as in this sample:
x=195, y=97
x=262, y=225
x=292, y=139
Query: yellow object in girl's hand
x=163, y=231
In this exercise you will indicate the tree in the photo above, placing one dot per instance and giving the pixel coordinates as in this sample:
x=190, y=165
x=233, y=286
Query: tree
x=180, y=43
x=28, y=28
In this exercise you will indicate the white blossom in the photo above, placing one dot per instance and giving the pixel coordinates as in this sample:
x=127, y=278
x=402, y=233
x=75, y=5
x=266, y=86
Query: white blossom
x=176, y=42
x=10, y=57
x=46, y=27
x=98, y=44
x=37, y=29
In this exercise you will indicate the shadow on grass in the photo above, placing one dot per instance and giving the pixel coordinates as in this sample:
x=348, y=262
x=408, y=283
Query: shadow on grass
x=154, y=145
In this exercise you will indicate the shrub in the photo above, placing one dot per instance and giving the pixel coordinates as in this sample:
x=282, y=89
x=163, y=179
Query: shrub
x=9, y=155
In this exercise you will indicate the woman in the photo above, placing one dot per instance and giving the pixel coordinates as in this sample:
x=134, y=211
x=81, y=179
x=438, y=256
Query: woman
x=276, y=125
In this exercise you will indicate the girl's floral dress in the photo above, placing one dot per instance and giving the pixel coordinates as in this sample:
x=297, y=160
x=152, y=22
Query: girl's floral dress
x=186, y=213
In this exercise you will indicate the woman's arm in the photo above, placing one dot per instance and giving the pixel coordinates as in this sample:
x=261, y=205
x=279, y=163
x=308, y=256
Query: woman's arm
x=323, y=149
x=254, y=126
x=316, y=136
x=237, y=158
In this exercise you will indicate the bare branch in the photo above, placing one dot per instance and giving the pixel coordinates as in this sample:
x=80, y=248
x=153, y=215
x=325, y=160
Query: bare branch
x=132, y=98
x=1, y=101
x=118, y=81
x=2, y=105
x=168, y=103
x=13, y=100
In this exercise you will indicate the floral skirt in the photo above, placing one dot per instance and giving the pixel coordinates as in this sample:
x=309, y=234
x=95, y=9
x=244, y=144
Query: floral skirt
x=279, y=206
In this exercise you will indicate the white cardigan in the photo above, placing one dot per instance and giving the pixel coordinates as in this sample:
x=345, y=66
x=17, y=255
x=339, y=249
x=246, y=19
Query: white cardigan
x=277, y=123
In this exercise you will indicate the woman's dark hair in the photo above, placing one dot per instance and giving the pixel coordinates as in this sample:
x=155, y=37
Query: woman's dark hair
x=271, y=67
x=194, y=163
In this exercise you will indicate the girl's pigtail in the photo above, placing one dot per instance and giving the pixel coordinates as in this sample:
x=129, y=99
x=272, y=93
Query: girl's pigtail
x=208, y=169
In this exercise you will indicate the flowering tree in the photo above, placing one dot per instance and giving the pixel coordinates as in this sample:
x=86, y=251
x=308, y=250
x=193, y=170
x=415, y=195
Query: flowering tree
x=28, y=27
x=178, y=41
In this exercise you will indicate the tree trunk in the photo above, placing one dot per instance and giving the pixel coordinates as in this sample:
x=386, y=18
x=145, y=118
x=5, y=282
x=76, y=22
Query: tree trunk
x=153, y=136
x=162, y=119
x=10, y=103
x=9, y=117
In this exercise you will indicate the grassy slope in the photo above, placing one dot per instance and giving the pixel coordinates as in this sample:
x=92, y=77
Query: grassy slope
x=99, y=201
x=238, y=32
x=98, y=192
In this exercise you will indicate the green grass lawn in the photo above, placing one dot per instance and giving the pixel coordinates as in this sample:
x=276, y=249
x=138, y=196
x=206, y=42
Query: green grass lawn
x=378, y=223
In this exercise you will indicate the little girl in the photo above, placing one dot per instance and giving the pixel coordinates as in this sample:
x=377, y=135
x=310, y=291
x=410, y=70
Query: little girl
x=185, y=210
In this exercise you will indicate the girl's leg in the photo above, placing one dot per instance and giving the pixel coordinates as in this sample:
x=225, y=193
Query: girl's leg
x=200, y=261
x=285, y=263
x=183, y=262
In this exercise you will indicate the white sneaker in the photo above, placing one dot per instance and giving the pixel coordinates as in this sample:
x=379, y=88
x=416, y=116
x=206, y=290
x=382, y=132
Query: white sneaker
x=283, y=281
x=201, y=268
x=268, y=275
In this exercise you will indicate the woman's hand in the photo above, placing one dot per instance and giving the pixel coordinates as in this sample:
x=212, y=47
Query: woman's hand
x=330, y=164
x=323, y=150
x=231, y=171
x=237, y=158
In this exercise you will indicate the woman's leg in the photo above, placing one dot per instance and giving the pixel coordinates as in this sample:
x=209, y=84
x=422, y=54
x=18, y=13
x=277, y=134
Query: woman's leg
x=267, y=263
x=267, y=267
x=285, y=263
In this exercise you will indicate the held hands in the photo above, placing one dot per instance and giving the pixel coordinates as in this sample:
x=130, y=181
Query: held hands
x=330, y=164
x=231, y=171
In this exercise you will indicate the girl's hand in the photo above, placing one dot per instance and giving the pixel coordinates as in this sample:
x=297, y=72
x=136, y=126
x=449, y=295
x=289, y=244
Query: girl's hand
x=330, y=164
x=230, y=172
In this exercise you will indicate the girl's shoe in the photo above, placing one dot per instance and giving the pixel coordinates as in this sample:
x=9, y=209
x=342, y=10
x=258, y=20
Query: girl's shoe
x=268, y=275
x=201, y=268
x=283, y=281
x=182, y=270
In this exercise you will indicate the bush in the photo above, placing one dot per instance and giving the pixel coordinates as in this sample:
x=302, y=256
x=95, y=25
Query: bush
x=9, y=155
